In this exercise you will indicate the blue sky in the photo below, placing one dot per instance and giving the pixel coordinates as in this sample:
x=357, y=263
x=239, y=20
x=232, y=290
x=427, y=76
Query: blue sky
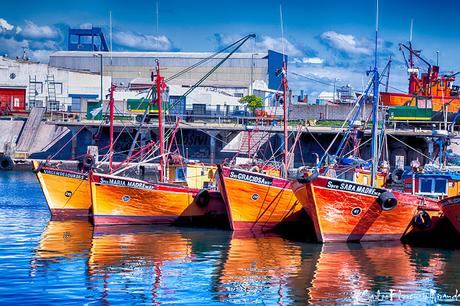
x=325, y=40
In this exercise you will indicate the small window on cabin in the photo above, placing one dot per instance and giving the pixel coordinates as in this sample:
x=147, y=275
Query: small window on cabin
x=440, y=186
x=425, y=185
x=366, y=180
x=428, y=103
x=181, y=174
x=421, y=103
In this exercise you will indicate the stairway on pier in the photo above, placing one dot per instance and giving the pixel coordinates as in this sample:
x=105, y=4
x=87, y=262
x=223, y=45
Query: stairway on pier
x=29, y=132
x=241, y=142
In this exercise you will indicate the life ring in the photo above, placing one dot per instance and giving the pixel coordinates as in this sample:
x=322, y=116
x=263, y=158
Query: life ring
x=39, y=168
x=202, y=198
x=422, y=220
x=387, y=200
x=306, y=177
x=6, y=163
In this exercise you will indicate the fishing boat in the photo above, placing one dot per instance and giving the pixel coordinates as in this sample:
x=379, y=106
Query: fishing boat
x=66, y=192
x=429, y=90
x=344, y=210
x=183, y=192
x=258, y=197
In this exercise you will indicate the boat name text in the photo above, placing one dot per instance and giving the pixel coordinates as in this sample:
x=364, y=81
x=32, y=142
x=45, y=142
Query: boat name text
x=252, y=178
x=123, y=183
x=65, y=174
x=353, y=188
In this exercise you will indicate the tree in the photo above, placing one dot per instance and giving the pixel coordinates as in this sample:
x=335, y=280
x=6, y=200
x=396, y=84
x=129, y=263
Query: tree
x=252, y=102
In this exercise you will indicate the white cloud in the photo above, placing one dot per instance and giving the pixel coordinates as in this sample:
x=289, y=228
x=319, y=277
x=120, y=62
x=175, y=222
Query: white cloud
x=308, y=60
x=344, y=42
x=33, y=31
x=142, y=42
x=261, y=44
x=5, y=26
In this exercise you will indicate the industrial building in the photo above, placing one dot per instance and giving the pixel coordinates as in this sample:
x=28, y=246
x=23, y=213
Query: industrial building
x=25, y=84
x=238, y=72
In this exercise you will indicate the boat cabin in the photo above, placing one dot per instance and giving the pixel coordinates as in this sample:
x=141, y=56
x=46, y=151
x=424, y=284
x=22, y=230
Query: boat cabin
x=196, y=175
x=432, y=184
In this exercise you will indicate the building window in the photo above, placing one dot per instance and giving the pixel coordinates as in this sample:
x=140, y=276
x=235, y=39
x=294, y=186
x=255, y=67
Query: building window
x=57, y=87
x=53, y=105
x=238, y=95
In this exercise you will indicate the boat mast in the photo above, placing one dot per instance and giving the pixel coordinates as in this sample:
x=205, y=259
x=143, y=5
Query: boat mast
x=284, y=82
x=375, y=102
x=160, y=121
x=111, y=117
x=285, y=121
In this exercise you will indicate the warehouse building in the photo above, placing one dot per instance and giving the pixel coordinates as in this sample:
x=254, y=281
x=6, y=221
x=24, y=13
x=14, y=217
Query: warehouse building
x=237, y=74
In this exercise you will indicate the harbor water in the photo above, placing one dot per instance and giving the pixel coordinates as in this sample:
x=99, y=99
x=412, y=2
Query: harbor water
x=45, y=261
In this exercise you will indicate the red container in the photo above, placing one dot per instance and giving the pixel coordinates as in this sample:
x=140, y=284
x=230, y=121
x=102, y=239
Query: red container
x=12, y=99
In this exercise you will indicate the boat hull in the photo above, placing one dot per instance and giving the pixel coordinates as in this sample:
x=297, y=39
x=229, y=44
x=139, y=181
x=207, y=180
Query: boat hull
x=119, y=200
x=451, y=209
x=67, y=193
x=399, y=99
x=257, y=202
x=342, y=211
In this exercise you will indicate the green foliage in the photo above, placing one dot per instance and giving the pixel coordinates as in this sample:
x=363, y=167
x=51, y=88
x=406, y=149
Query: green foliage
x=252, y=102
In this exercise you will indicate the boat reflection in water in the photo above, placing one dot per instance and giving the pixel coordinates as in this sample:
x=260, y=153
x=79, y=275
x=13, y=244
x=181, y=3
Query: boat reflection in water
x=64, y=239
x=158, y=264
x=368, y=273
x=257, y=269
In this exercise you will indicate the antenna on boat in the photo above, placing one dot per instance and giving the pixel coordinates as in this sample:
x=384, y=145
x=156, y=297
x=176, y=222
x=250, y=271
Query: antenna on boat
x=110, y=34
x=411, y=29
x=157, y=11
x=375, y=102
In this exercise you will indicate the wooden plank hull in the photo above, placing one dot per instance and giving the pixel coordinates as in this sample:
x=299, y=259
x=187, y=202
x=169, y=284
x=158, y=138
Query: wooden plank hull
x=257, y=202
x=343, y=211
x=119, y=200
x=451, y=209
x=67, y=193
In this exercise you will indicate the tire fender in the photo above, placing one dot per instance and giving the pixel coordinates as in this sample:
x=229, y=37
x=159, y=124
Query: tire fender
x=387, y=200
x=202, y=198
x=6, y=163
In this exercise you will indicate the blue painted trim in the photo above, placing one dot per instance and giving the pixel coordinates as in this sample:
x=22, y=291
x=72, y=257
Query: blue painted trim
x=84, y=96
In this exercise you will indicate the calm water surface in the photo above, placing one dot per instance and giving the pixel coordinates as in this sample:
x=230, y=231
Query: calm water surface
x=44, y=262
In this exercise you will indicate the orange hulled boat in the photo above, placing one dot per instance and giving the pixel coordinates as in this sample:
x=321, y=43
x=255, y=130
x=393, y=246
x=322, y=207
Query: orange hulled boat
x=183, y=192
x=66, y=192
x=259, y=197
x=256, y=201
x=121, y=200
x=345, y=211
